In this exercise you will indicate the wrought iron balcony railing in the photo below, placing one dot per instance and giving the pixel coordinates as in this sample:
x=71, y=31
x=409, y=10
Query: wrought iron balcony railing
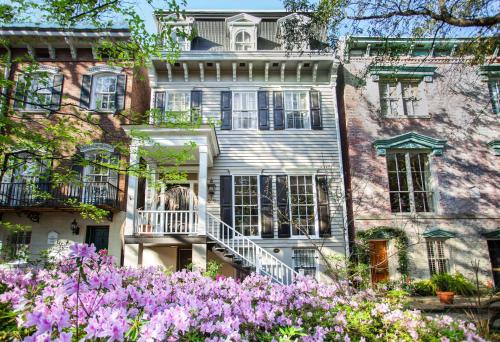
x=47, y=194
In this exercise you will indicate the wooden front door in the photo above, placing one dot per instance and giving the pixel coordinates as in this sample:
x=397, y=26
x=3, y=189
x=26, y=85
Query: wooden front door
x=98, y=235
x=184, y=258
x=494, y=249
x=379, y=263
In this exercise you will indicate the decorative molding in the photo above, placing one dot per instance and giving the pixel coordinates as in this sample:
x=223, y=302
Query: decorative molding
x=411, y=141
x=48, y=68
x=266, y=72
x=217, y=67
x=103, y=68
x=438, y=233
x=250, y=71
x=495, y=146
x=399, y=71
x=495, y=234
x=243, y=19
x=186, y=72
x=97, y=147
x=488, y=72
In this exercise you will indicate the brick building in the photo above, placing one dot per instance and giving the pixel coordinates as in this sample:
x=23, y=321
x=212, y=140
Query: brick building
x=420, y=133
x=75, y=80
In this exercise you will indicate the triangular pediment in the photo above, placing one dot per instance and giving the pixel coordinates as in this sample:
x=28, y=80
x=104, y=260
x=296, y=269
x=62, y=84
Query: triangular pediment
x=243, y=18
x=438, y=233
x=410, y=141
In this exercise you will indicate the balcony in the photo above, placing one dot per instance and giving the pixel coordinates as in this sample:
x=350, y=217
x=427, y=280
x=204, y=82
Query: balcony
x=161, y=222
x=48, y=195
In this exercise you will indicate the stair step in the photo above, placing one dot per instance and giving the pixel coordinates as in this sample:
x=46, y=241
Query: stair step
x=228, y=255
x=237, y=260
x=219, y=249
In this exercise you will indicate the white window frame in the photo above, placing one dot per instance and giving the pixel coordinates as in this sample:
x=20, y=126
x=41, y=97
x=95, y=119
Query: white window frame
x=315, y=208
x=94, y=93
x=250, y=46
x=437, y=252
x=306, y=111
x=495, y=94
x=187, y=97
x=97, y=188
x=259, y=228
x=251, y=114
x=402, y=99
x=409, y=179
x=315, y=256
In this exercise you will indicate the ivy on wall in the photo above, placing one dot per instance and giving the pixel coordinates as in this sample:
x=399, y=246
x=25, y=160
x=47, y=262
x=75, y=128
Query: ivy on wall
x=384, y=233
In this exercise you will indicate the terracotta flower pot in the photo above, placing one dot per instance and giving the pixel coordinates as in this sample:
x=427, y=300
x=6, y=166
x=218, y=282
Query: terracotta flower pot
x=445, y=297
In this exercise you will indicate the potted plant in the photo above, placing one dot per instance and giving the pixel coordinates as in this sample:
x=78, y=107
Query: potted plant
x=445, y=287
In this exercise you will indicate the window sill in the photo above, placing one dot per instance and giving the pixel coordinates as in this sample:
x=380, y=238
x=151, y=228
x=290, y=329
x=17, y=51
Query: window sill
x=34, y=111
x=413, y=214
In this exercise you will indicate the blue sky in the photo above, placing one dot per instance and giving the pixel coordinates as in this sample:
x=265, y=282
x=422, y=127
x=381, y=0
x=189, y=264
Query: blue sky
x=146, y=10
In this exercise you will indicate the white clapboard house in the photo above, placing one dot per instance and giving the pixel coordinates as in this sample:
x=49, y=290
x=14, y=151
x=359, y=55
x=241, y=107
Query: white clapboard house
x=264, y=187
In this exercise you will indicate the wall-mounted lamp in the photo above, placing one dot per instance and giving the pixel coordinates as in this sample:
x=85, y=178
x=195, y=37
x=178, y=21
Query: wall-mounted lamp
x=74, y=227
x=211, y=189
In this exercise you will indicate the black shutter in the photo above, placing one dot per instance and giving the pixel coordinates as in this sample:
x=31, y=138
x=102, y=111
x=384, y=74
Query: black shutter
x=159, y=103
x=226, y=204
x=283, y=207
x=85, y=92
x=57, y=85
x=315, y=110
x=196, y=101
x=121, y=84
x=279, y=113
x=266, y=206
x=323, y=206
x=226, y=110
x=20, y=93
x=263, y=101
x=141, y=186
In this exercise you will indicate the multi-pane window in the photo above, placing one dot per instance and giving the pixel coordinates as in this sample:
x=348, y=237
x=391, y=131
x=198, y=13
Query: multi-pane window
x=436, y=255
x=18, y=244
x=178, y=105
x=302, y=205
x=304, y=261
x=494, y=86
x=98, y=176
x=40, y=93
x=105, y=92
x=389, y=98
x=297, y=109
x=246, y=205
x=245, y=110
x=243, y=41
x=409, y=182
x=400, y=98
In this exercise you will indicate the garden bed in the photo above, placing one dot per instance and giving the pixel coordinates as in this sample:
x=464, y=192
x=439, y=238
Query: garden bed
x=87, y=297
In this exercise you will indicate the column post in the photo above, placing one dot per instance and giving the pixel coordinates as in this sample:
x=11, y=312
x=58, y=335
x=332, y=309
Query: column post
x=202, y=189
x=131, y=192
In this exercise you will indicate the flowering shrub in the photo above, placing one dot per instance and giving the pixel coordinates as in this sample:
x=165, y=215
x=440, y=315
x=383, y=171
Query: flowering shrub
x=87, y=297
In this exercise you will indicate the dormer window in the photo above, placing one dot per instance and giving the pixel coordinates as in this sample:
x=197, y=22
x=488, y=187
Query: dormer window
x=243, y=41
x=177, y=30
x=243, y=32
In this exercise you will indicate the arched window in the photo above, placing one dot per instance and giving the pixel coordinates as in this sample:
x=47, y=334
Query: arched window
x=243, y=41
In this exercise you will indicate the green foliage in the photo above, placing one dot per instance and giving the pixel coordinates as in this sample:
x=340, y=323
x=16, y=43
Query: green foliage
x=213, y=269
x=288, y=334
x=453, y=282
x=400, y=239
x=423, y=288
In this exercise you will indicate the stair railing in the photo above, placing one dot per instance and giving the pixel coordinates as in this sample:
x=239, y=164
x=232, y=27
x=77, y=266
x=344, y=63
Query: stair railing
x=248, y=251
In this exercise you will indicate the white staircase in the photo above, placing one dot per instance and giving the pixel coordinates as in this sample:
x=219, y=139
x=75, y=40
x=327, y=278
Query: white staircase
x=246, y=252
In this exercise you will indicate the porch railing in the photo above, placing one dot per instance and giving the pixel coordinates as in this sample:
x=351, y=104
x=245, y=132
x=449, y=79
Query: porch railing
x=161, y=222
x=48, y=194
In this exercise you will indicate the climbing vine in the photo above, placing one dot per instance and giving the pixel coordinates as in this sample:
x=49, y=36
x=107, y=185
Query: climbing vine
x=400, y=239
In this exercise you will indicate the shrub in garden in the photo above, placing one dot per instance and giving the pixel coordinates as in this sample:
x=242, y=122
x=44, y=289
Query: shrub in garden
x=453, y=282
x=87, y=298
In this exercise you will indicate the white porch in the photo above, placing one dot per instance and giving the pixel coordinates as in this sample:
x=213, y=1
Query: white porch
x=156, y=216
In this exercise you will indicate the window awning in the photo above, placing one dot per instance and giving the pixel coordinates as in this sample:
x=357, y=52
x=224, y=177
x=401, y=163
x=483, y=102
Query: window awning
x=436, y=232
x=493, y=234
x=410, y=140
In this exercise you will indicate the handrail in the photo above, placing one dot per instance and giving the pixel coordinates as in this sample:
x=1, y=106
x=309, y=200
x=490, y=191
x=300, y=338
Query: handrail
x=240, y=245
x=162, y=222
x=43, y=193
